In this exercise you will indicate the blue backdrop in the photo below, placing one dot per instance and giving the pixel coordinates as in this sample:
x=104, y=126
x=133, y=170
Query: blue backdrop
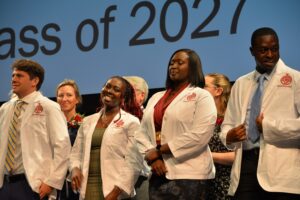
x=89, y=41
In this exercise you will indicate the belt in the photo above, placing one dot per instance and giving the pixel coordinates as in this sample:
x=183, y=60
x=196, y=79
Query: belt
x=14, y=178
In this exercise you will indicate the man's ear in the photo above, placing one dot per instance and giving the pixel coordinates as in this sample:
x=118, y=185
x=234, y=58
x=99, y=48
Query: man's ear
x=35, y=81
x=251, y=50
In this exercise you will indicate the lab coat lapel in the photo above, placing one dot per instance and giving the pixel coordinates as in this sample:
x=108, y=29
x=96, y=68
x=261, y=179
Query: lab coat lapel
x=180, y=96
x=32, y=108
x=273, y=84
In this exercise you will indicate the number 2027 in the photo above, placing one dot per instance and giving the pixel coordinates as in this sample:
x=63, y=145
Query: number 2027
x=197, y=33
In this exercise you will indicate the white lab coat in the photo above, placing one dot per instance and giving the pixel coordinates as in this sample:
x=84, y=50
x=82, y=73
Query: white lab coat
x=279, y=156
x=187, y=127
x=44, y=141
x=120, y=161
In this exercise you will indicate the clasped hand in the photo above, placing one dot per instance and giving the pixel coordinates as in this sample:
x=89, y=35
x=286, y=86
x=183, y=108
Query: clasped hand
x=154, y=159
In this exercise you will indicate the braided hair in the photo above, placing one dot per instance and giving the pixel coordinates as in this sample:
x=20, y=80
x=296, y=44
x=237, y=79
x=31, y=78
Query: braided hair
x=129, y=103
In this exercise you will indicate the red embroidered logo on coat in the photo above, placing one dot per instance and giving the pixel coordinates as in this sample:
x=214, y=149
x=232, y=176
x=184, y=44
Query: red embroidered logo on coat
x=286, y=80
x=191, y=97
x=119, y=123
x=38, y=108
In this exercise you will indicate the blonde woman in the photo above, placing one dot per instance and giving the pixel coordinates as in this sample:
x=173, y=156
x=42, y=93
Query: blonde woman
x=68, y=97
x=219, y=86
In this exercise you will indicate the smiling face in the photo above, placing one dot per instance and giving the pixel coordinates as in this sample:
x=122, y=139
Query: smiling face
x=112, y=93
x=266, y=52
x=179, y=67
x=66, y=98
x=21, y=83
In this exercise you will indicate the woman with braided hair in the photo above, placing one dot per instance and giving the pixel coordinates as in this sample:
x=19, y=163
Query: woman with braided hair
x=104, y=160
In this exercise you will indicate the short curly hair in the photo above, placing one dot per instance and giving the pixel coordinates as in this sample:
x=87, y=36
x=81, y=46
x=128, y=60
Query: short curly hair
x=31, y=67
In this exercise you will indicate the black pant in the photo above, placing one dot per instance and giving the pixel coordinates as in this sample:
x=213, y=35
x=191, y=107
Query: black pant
x=17, y=188
x=160, y=188
x=67, y=193
x=249, y=188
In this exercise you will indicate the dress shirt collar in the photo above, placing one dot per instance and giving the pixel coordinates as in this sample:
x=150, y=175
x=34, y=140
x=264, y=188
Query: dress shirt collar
x=30, y=97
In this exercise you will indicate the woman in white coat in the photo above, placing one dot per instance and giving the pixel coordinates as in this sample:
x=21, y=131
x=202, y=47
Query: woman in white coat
x=104, y=159
x=175, y=130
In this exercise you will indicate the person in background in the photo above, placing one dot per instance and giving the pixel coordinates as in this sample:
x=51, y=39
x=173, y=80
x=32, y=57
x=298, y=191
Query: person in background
x=68, y=97
x=34, y=143
x=140, y=87
x=266, y=138
x=104, y=159
x=175, y=130
x=141, y=93
x=219, y=87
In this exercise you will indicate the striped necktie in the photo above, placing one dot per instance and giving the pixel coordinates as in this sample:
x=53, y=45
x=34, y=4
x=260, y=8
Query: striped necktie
x=13, y=133
x=255, y=110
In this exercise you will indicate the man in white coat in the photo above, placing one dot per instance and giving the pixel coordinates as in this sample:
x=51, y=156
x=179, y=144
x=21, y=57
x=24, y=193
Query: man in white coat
x=267, y=167
x=34, y=144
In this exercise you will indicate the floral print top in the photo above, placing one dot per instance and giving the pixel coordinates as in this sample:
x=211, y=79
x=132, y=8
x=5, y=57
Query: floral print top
x=73, y=126
x=218, y=187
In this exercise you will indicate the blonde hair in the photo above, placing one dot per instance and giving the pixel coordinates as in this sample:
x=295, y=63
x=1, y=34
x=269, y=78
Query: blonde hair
x=73, y=84
x=138, y=83
x=220, y=80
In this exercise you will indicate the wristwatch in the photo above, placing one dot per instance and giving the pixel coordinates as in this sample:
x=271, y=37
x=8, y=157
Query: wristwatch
x=158, y=158
x=158, y=149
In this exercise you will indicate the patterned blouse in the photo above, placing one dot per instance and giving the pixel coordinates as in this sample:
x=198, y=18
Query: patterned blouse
x=218, y=187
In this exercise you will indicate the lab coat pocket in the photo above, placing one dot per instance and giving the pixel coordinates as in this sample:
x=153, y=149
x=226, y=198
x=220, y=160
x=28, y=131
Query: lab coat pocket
x=279, y=96
x=114, y=151
x=286, y=166
x=185, y=111
x=36, y=129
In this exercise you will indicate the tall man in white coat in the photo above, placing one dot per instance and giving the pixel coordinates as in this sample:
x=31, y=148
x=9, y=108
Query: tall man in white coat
x=34, y=141
x=266, y=166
